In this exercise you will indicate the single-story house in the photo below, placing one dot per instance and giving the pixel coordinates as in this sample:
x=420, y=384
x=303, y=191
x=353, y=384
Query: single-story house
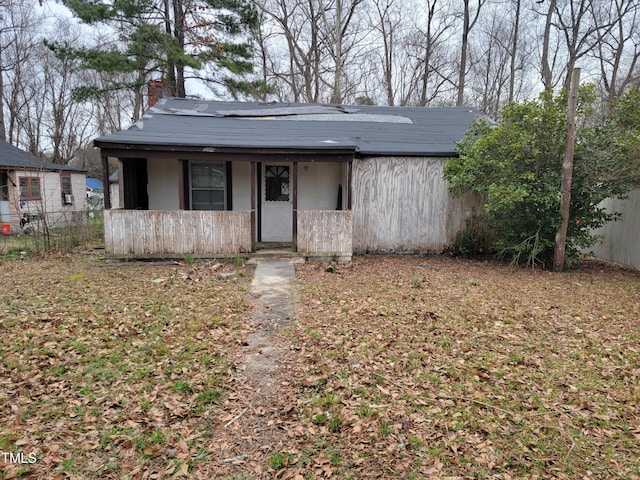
x=209, y=177
x=32, y=189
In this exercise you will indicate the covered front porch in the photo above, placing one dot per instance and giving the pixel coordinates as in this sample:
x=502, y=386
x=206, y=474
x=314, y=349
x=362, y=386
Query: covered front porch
x=224, y=203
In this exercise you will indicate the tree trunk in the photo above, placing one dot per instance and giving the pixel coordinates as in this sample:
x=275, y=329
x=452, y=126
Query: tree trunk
x=169, y=77
x=514, y=51
x=3, y=131
x=467, y=26
x=178, y=19
x=567, y=173
x=547, y=75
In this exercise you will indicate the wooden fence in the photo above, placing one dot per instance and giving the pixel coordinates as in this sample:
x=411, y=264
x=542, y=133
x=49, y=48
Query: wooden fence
x=324, y=233
x=621, y=240
x=147, y=232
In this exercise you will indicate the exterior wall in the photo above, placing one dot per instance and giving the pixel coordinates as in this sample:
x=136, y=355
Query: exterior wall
x=318, y=185
x=621, y=239
x=163, y=188
x=138, y=232
x=402, y=205
x=57, y=213
x=241, y=186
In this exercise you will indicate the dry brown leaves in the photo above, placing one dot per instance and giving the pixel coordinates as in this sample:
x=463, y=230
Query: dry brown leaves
x=442, y=368
x=396, y=368
x=116, y=370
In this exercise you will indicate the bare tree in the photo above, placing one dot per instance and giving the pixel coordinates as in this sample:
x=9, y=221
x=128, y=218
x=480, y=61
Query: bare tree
x=618, y=48
x=513, y=51
x=546, y=69
x=468, y=22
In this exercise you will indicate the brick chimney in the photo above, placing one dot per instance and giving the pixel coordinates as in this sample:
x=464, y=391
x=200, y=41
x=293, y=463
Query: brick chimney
x=155, y=91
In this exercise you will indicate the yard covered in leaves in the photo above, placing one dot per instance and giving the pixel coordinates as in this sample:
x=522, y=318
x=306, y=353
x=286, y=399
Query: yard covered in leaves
x=434, y=367
x=114, y=370
x=407, y=368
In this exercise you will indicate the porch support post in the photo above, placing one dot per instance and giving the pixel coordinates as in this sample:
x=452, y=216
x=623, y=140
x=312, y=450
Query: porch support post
x=294, y=229
x=181, y=189
x=105, y=182
x=253, y=206
x=349, y=190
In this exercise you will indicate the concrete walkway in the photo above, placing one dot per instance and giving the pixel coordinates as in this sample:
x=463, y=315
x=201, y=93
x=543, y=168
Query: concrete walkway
x=258, y=410
x=272, y=287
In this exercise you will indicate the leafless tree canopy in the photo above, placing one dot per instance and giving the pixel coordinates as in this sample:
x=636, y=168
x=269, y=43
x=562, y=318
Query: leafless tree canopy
x=480, y=53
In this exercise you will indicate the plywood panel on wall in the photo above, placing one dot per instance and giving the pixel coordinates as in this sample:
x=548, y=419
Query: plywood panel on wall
x=402, y=205
x=138, y=232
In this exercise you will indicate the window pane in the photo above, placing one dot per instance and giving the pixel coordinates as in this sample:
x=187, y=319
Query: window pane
x=277, y=183
x=208, y=199
x=207, y=175
x=65, y=182
x=24, y=189
x=35, y=188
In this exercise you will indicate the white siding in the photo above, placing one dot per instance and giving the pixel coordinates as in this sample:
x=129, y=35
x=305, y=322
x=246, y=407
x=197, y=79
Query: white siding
x=402, y=205
x=621, y=242
x=163, y=186
x=318, y=185
x=241, y=186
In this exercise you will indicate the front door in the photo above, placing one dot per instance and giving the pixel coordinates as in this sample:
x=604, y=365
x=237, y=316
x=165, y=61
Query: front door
x=277, y=203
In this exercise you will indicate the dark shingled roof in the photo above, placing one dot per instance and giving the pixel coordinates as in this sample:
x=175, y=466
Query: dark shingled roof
x=367, y=130
x=12, y=157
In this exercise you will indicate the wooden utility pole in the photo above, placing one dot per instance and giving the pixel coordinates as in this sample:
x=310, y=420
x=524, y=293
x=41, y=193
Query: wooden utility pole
x=567, y=173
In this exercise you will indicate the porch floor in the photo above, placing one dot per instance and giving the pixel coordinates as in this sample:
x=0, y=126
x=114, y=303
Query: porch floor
x=266, y=250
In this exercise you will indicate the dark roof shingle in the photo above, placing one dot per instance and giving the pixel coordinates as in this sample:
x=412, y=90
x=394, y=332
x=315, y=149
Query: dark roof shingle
x=13, y=157
x=367, y=130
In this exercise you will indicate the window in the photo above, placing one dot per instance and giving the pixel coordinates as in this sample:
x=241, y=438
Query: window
x=277, y=183
x=207, y=186
x=30, y=188
x=65, y=188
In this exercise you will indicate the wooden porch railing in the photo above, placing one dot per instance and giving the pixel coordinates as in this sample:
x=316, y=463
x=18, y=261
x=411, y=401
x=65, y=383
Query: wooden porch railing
x=149, y=232
x=323, y=233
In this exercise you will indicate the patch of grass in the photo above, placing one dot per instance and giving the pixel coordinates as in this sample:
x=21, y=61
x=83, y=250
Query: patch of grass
x=209, y=397
x=182, y=386
x=115, y=360
x=517, y=372
x=278, y=460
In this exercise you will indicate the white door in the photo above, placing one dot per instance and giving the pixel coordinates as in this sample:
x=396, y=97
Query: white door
x=277, y=203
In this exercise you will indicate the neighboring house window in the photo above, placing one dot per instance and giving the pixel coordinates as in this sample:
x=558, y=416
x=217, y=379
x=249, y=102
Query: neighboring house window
x=65, y=188
x=207, y=186
x=30, y=188
x=277, y=183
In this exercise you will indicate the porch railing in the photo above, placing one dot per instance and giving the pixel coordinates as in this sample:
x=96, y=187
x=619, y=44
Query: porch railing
x=324, y=233
x=149, y=232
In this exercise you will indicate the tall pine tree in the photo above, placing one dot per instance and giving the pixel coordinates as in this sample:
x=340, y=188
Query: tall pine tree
x=154, y=38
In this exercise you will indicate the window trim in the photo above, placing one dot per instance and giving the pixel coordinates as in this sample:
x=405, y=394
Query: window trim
x=29, y=196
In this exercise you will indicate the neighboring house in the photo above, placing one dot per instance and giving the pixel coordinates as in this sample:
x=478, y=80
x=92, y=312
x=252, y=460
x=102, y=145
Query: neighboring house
x=95, y=193
x=621, y=239
x=208, y=177
x=32, y=189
